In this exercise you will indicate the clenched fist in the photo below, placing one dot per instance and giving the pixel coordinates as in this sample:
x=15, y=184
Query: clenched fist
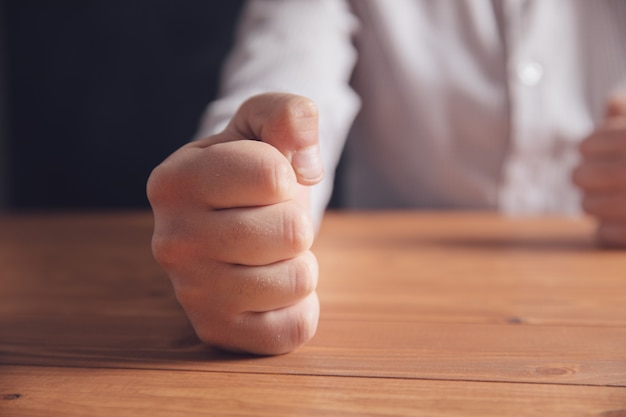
x=602, y=174
x=233, y=231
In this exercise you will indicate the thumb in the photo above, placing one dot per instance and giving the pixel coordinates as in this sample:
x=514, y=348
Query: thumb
x=289, y=123
x=616, y=106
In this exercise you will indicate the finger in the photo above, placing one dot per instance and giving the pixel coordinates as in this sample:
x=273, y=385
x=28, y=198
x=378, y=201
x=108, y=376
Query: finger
x=616, y=106
x=285, y=121
x=253, y=236
x=271, y=287
x=248, y=236
x=231, y=174
x=607, y=142
x=600, y=177
x=269, y=333
x=612, y=233
x=259, y=235
x=611, y=206
x=243, y=174
x=246, y=289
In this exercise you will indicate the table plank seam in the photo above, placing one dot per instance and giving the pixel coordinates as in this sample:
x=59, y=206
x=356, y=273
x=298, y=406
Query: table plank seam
x=313, y=374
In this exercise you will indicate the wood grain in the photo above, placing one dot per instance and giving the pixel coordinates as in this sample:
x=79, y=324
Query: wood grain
x=426, y=303
x=478, y=268
x=67, y=392
x=521, y=353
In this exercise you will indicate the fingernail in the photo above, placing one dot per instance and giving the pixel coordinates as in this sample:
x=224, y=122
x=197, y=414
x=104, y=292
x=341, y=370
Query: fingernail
x=307, y=163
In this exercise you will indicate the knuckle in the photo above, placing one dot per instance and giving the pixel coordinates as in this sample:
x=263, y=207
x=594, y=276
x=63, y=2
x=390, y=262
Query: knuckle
x=299, y=107
x=172, y=243
x=300, y=328
x=305, y=325
x=274, y=175
x=167, y=183
x=167, y=251
x=157, y=187
x=271, y=333
x=292, y=114
x=305, y=275
x=297, y=229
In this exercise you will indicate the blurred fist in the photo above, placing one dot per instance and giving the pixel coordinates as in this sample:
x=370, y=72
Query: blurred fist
x=233, y=231
x=602, y=174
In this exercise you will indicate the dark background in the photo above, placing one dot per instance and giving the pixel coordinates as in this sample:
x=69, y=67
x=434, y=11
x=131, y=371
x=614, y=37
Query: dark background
x=98, y=92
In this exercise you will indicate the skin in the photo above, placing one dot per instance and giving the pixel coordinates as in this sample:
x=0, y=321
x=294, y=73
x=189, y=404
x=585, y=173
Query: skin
x=233, y=232
x=601, y=174
x=232, y=227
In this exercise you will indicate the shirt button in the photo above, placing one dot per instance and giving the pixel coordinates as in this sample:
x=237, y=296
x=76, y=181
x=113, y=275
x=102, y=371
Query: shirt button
x=529, y=73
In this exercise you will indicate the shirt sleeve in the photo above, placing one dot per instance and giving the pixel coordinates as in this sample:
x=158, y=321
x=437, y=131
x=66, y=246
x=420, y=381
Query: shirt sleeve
x=295, y=46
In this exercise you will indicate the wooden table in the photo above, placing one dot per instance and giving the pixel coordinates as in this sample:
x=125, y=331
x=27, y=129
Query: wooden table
x=422, y=314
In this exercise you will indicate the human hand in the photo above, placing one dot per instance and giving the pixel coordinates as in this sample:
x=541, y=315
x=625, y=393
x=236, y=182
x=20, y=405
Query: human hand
x=232, y=227
x=602, y=174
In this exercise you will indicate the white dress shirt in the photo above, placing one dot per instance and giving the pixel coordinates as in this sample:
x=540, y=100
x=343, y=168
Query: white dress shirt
x=447, y=104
